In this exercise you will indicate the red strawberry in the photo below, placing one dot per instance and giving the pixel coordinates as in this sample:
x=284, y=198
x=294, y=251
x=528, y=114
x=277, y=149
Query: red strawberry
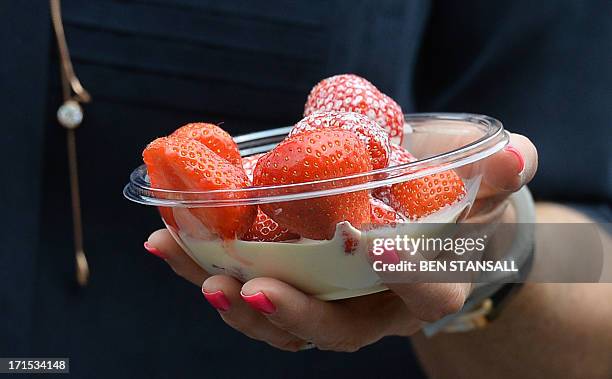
x=375, y=138
x=215, y=138
x=168, y=217
x=248, y=163
x=382, y=214
x=312, y=156
x=267, y=230
x=399, y=155
x=166, y=213
x=421, y=197
x=187, y=165
x=351, y=93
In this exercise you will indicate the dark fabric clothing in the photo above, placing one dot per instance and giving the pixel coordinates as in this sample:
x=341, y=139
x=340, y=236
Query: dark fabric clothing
x=543, y=68
x=23, y=95
x=151, y=65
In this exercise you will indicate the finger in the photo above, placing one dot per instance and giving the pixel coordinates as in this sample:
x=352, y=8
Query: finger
x=162, y=244
x=509, y=169
x=338, y=326
x=428, y=294
x=223, y=293
x=432, y=301
x=488, y=209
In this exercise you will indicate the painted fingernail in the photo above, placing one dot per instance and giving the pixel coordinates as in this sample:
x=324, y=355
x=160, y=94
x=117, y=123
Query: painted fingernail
x=389, y=257
x=218, y=300
x=153, y=250
x=259, y=302
x=519, y=157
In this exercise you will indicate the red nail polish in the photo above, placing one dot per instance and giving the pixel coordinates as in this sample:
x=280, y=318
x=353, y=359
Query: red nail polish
x=218, y=300
x=259, y=302
x=519, y=157
x=153, y=250
x=389, y=257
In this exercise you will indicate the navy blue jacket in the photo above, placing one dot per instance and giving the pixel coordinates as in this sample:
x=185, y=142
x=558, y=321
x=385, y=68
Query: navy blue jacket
x=543, y=68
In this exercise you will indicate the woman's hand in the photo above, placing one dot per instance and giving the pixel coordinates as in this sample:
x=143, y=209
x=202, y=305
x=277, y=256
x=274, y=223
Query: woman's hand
x=269, y=310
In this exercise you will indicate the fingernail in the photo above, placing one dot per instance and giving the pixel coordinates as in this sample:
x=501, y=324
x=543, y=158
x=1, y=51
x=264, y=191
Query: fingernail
x=389, y=257
x=154, y=250
x=259, y=302
x=218, y=300
x=519, y=157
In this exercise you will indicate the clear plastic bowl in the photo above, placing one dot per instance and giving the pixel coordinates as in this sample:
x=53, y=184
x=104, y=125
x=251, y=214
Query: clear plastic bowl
x=440, y=141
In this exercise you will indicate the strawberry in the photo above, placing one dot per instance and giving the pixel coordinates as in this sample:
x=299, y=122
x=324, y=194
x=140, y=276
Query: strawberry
x=265, y=229
x=168, y=216
x=351, y=93
x=382, y=214
x=248, y=163
x=215, y=138
x=368, y=131
x=312, y=156
x=399, y=155
x=423, y=196
x=182, y=164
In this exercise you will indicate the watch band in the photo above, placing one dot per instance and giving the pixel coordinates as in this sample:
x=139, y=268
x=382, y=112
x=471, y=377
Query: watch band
x=488, y=299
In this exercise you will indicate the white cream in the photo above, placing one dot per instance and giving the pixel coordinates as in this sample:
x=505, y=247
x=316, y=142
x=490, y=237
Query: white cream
x=320, y=268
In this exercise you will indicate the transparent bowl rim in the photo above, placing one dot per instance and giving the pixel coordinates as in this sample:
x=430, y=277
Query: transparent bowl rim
x=494, y=139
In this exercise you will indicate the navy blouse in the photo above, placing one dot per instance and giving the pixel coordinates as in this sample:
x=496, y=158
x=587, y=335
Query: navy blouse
x=543, y=68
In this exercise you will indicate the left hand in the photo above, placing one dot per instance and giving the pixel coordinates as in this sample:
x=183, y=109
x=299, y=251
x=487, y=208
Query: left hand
x=269, y=310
